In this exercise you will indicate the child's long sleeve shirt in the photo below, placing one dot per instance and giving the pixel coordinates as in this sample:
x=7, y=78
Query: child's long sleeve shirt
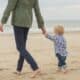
x=60, y=44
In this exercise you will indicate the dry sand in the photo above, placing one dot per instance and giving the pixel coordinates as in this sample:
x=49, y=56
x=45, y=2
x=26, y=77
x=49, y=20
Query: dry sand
x=43, y=52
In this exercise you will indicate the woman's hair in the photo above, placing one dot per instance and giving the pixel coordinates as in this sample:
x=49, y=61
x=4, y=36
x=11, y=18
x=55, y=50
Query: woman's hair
x=59, y=29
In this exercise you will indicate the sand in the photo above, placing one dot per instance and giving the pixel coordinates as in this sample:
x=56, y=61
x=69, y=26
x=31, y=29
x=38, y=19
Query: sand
x=43, y=52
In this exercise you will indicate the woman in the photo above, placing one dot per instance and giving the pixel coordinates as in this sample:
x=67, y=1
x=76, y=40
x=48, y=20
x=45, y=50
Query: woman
x=22, y=21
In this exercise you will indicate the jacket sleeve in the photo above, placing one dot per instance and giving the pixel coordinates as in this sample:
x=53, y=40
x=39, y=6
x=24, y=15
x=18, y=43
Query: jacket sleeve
x=40, y=20
x=11, y=5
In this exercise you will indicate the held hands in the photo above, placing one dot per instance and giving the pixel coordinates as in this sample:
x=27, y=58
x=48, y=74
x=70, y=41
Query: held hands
x=43, y=30
x=46, y=34
x=1, y=27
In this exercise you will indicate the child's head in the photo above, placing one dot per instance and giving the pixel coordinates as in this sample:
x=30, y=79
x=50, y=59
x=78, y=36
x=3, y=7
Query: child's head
x=59, y=29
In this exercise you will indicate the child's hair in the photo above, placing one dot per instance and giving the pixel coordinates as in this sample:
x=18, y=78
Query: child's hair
x=59, y=29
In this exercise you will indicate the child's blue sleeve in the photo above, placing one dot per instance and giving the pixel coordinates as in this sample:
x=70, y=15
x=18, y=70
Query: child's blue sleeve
x=51, y=37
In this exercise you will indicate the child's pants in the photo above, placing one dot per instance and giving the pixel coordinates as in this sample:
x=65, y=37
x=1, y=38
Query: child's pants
x=61, y=60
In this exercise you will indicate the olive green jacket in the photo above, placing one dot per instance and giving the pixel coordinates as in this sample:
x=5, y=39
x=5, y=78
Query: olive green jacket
x=22, y=13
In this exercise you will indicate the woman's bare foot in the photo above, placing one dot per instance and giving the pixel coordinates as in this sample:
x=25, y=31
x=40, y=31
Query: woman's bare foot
x=35, y=73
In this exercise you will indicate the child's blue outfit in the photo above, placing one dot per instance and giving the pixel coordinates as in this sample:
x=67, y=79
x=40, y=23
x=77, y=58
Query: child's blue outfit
x=60, y=48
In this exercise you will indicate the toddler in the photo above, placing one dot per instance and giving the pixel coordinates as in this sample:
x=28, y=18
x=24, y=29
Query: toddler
x=60, y=46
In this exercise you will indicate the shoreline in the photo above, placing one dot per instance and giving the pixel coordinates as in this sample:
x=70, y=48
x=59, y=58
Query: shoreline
x=39, y=32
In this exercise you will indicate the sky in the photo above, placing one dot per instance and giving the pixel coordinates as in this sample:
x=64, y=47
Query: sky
x=54, y=9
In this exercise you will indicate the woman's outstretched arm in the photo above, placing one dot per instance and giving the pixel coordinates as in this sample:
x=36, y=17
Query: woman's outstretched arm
x=39, y=17
x=38, y=14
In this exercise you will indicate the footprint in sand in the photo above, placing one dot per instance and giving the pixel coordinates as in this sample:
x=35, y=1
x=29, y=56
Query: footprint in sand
x=2, y=69
x=21, y=73
x=74, y=69
x=75, y=62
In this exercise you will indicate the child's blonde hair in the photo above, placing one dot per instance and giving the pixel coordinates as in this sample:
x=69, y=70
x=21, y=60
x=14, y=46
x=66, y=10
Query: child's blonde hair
x=59, y=29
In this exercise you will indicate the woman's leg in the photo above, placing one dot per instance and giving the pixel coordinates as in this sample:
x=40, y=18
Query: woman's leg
x=21, y=58
x=26, y=31
x=20, y=63
x=20, y=43
x=17, y=33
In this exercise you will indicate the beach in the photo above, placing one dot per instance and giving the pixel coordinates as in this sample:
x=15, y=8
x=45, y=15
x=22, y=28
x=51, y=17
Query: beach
x=42, y=50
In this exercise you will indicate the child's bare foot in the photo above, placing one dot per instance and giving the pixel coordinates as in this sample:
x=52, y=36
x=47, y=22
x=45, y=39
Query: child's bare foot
x=64, y=71
x=35, y=73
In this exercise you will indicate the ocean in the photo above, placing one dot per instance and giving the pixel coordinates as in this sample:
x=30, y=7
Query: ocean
x=69, y=25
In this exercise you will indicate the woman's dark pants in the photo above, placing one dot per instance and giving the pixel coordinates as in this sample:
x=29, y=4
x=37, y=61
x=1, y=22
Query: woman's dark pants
x=21, y=34
x=61, y=60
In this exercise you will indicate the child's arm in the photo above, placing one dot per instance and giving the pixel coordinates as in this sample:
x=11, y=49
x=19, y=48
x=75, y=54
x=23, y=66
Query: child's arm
x=49, y=36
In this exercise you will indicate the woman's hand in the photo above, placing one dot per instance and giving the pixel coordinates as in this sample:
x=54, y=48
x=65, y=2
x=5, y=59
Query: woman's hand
x=46, y=34
x=1, y=27
x=43, y=30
